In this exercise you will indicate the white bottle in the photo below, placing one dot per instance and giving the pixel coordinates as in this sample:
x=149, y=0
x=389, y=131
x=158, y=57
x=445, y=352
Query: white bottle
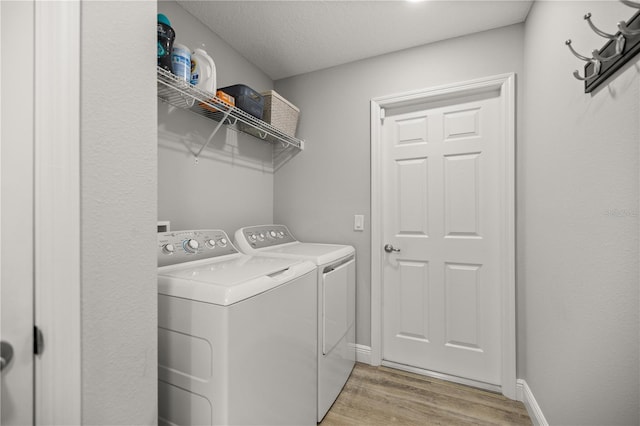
x=203, y=71
x=181, y=61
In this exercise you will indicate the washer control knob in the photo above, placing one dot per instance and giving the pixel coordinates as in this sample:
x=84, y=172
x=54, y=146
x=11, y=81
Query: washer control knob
x=272, y=234
x=222, y=242
x=252, y=237
x=280, y=234
x=168, y=248
x=210, y=243
x=261, y=236
x=191, y=245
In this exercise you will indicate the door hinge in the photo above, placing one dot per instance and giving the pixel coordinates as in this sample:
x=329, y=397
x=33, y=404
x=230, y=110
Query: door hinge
x=382, y=115
x=38, y=341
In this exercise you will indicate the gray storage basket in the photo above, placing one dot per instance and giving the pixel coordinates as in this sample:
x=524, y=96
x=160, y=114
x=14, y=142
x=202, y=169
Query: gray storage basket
x=280, y=113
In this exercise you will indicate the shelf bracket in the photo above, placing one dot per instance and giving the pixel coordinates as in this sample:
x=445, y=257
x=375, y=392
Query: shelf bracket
x=226, y=114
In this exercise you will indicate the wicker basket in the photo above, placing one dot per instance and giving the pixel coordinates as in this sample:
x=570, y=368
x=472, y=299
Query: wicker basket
x=280, y=113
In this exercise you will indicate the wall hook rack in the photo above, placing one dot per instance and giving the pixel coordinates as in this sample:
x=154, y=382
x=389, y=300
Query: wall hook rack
x=617, y=51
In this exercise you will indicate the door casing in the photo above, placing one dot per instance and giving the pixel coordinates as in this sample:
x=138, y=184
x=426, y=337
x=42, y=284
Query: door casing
x=505, y=84
x=57, y=262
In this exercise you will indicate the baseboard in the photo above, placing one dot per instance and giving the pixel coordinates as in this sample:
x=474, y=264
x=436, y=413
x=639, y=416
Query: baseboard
x=363, y=354
x=524, y=394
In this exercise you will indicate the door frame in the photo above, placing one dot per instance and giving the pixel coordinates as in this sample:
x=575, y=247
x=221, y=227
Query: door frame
x=505, y=84
x=57, y=262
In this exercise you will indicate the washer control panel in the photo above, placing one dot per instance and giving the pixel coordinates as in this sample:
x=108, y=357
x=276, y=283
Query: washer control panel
x=186, y=246
x=265, y=235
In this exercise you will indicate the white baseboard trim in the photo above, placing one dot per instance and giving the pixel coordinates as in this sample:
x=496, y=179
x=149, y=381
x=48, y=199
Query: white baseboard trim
x=524, y=394
x=363, y=354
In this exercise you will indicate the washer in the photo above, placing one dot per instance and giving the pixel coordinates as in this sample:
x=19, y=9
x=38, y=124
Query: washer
x=336, y=283
x=236, y=334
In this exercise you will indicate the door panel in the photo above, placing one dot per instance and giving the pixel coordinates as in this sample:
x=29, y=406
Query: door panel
x=462, y=306
x=412, y=200
x=441, y=292
x=16, y=166
x=461, y=124
x=461, y=195
x=414, y=296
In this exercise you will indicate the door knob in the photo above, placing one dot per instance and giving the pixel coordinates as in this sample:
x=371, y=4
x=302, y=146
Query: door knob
x=6, y=353
x=389, y=248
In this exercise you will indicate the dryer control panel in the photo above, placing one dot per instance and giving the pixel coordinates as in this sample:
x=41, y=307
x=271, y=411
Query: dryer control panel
x=262, y=236
x=186, y=246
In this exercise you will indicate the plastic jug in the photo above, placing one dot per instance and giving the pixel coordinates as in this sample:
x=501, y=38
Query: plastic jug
x=181, y=61
x=203, y=71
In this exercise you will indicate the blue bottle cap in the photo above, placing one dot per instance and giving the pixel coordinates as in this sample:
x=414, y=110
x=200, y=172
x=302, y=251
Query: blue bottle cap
x=163, y=19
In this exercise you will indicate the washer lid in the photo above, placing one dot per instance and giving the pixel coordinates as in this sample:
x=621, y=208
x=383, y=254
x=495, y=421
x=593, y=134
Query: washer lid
x=229, y=280
x=320, y=254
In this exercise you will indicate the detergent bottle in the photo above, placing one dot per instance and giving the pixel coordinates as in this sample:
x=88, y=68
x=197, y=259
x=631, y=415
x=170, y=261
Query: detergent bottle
x=203, y=71
x=166, y=35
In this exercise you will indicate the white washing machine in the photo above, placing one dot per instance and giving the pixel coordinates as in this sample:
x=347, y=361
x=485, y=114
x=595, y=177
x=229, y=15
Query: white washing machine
x=336, y=284
x=236, y=334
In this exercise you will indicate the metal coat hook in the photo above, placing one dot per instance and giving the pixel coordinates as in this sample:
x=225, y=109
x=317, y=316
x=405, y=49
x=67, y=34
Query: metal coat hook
x=620, y=40
x=622, y=26
x=596, y=63
x=576, y=54
x=596, y=70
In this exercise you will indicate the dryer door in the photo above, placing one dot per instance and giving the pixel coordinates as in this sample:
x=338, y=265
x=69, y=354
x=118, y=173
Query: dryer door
x=338, y=302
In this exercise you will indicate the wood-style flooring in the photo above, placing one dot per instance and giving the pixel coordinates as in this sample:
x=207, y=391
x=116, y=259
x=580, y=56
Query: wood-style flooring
x=385, y=396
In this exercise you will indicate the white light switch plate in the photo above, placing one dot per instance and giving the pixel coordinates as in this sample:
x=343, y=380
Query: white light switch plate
x=358, y=222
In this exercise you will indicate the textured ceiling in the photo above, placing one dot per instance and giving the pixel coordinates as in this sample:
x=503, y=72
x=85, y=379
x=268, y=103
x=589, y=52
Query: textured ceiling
x=285, y=38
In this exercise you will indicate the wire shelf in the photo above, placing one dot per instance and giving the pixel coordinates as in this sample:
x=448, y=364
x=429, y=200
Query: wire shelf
x=183, y=95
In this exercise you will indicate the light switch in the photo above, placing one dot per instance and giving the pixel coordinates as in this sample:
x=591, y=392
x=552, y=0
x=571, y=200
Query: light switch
x=358, y=222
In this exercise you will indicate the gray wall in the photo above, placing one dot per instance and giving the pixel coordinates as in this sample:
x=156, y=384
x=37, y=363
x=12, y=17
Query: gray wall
x=318, y=192
x=578, y=223
x=118, y=211
x=232, y=184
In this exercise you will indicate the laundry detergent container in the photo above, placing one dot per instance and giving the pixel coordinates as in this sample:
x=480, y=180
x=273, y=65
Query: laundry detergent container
x=246, y=98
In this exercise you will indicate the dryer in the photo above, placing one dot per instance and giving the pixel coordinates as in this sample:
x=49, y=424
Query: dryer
x=236, y=334
x=336, y=287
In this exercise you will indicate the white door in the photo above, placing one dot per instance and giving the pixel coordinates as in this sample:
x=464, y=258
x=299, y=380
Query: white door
x=442, y=215
x=16, y=212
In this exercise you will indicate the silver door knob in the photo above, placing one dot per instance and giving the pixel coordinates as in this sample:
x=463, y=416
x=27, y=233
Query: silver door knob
x=6, y=353
x=389, y=248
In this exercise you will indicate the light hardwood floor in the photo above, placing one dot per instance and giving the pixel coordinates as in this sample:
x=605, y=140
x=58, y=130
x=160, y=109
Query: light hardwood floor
x=385, y=396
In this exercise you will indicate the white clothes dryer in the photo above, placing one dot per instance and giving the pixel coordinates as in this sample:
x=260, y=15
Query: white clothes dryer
x=336, y=284
x=236, y=334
